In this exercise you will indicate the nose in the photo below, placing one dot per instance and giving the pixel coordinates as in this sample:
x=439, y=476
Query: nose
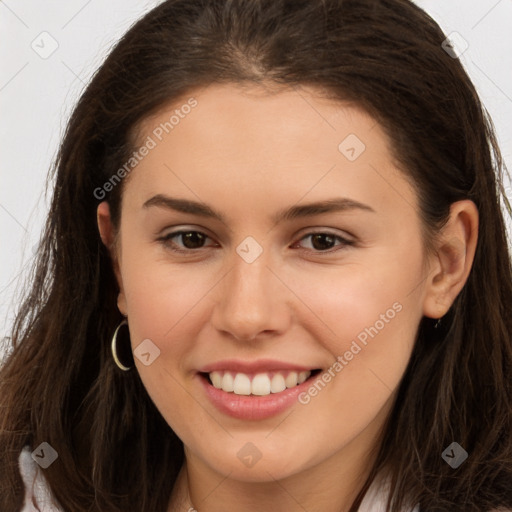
x=251, y=302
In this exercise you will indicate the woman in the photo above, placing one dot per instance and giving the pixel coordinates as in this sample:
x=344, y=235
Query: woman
x=188, y=342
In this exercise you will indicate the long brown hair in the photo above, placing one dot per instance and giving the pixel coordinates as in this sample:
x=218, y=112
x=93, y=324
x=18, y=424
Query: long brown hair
x=60, y=385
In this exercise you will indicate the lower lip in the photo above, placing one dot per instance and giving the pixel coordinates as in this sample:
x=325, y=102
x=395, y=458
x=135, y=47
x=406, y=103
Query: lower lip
x=252, y=407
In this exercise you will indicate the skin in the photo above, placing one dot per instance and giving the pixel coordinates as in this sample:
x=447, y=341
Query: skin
x=248, y=154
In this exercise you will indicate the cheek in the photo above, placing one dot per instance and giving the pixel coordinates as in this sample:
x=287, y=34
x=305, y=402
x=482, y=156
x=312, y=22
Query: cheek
x=163, y=301
x=367, y=318
x=158, y=294
x=163, y=304
x=361, y=301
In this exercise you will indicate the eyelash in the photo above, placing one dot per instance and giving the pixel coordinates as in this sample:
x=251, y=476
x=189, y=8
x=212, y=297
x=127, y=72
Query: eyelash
x=166, y=241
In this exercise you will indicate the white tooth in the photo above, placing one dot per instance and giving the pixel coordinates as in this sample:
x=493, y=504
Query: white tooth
x=291, y=380
x=277, y=384
x=260, y=384
x=303, y=376
x=227, y=382
x=216, y=379
x=242, y=384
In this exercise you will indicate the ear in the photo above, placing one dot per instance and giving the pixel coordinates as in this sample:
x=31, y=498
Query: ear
x=107, y=234
x=454, y=254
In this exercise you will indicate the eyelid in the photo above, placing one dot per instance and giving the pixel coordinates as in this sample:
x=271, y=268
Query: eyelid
x=327, y=231
x=171, y=231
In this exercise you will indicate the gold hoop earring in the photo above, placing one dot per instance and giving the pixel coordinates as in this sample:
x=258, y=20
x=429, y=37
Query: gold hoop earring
x=114, y=348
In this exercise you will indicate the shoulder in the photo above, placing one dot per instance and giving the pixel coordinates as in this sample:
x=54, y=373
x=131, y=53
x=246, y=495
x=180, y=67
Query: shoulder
x=38, y=497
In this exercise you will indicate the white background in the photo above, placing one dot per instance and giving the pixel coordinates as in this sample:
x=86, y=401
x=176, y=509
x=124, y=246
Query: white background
x=36, y=96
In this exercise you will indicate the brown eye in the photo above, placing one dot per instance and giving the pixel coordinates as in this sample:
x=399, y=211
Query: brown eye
x=192, y=239
x=322, y=241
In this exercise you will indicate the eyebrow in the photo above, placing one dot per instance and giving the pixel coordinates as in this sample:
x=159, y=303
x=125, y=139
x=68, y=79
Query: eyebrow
x=340, y=204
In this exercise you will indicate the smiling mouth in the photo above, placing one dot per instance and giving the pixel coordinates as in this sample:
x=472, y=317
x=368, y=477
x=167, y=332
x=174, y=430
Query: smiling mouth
x=257, y=384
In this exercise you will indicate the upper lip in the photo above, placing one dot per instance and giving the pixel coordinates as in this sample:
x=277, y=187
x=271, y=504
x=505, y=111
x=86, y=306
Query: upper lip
x=260, y=365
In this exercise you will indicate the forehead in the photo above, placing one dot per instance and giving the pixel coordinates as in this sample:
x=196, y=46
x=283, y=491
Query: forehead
x=261, y=144
x=257, y=114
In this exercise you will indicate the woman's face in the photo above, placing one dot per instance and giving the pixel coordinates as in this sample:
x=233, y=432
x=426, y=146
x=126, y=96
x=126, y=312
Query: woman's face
x=302, y=252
